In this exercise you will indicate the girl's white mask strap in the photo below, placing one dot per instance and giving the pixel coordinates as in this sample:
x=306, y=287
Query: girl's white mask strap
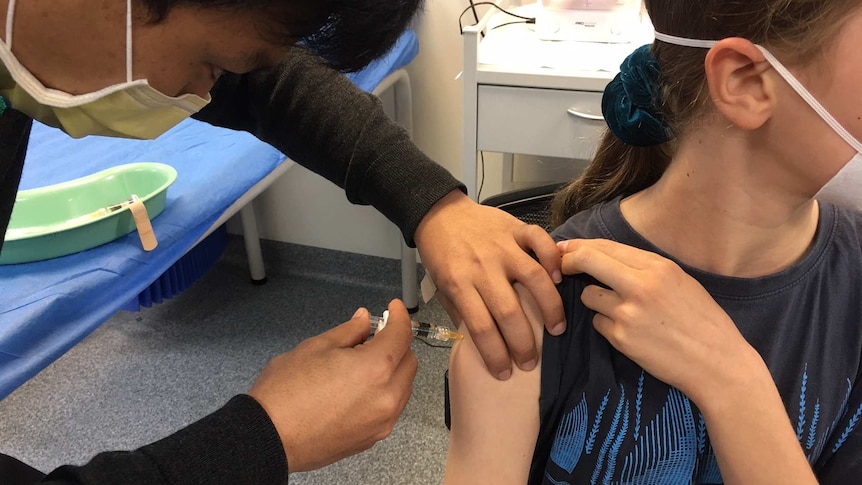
x=682, y=41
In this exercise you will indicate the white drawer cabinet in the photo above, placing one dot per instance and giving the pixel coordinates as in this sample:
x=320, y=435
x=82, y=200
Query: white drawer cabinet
x=528, y=107
x=545, y=122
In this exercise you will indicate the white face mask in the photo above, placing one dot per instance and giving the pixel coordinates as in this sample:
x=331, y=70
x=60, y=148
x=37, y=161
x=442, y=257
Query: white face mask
x=132, y=109
x=845, y=188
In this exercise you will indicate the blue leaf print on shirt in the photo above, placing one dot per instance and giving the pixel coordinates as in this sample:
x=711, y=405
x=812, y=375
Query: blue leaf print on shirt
x=569, y=442
x=843, y=411
x=707, y=469
x=638, y=400
x=812, y=430
x=673, y=447
x=610, y=435
x=800, y=420
x=849, y=429
x=598, y=421
x=615, y=448
x=667, y=451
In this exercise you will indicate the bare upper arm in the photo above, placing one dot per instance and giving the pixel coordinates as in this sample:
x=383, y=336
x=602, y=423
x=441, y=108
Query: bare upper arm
x=494, y=423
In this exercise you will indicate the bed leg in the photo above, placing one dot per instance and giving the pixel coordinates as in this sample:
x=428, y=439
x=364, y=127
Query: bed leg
x=252, y=244
x=409, y=278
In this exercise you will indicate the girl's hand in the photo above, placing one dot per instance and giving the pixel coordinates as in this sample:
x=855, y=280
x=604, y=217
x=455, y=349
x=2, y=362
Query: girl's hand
x=660, y=317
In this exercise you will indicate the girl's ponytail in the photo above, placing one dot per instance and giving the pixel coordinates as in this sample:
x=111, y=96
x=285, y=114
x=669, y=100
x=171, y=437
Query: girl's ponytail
x=630, y=156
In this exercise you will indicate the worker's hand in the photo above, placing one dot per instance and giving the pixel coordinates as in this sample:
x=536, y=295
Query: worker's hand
x=475, y=254
x=660, y=317
x=336, y=394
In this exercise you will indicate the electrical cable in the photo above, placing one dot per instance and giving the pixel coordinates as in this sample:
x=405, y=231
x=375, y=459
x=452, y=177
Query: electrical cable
x=532, y=21
x=473, y=6
x=475, y=16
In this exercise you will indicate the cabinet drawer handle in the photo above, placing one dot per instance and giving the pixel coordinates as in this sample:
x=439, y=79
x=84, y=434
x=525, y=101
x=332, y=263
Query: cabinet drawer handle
x=586, y=116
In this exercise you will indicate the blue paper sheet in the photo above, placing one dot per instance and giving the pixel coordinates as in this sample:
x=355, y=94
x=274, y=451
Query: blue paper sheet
x=47, y=307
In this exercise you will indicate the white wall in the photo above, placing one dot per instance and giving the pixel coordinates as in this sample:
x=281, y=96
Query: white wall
x=436, y=92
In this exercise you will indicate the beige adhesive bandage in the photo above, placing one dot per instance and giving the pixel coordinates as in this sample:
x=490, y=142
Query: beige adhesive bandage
x=142, y=222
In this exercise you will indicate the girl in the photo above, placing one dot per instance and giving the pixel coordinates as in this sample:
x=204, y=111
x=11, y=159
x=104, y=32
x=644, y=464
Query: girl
x=713, y=313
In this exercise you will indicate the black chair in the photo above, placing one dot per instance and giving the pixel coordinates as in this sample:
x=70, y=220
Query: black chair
x=531, y=205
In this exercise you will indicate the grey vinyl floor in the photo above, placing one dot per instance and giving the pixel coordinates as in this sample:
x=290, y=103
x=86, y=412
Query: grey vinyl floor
x=142, y=375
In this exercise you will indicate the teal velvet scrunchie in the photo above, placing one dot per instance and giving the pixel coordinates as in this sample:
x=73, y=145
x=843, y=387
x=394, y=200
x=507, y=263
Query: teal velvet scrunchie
x=3, y=105
x=629, y=103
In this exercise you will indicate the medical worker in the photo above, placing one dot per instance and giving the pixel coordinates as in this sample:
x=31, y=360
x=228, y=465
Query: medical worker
x=135, y=68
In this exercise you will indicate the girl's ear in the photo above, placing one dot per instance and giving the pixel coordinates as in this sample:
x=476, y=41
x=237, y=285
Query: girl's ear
x=736, y=72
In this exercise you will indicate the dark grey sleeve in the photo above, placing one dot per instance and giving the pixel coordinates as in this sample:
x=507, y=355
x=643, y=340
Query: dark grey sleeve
x=236, y=445
x=320, y=119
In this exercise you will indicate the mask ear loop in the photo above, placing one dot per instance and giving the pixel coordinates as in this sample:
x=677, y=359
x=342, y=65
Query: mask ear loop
x=815, y=105
x=128, y=40
x=10, y=13
x=685, y=42
x=785, y=73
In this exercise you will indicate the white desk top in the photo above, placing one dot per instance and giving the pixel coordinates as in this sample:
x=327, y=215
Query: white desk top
x=513, y=55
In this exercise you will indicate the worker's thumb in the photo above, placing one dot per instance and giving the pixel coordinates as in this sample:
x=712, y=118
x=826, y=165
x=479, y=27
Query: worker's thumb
x=351, y=333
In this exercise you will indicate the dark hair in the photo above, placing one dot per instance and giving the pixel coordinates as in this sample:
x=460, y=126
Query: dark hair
x=798, y=29
x=348, y=34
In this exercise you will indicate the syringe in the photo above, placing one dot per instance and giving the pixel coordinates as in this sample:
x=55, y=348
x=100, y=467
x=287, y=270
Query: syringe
x=420, y=329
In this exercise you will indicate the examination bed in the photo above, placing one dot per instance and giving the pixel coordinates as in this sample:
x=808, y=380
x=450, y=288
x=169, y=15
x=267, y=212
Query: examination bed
x=46, y=307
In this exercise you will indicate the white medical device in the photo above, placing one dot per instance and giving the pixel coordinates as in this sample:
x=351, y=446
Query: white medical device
x=607, y=21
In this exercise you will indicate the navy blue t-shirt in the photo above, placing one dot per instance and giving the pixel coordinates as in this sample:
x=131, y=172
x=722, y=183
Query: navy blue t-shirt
x=605, y=420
